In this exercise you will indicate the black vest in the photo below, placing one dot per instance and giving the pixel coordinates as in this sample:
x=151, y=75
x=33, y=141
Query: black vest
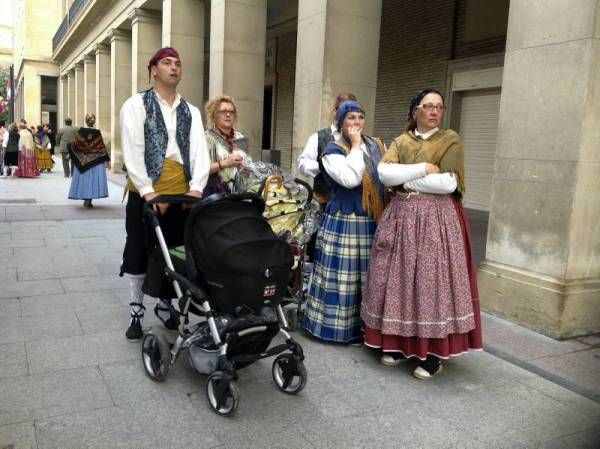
x=12, y=145
x=320, y=186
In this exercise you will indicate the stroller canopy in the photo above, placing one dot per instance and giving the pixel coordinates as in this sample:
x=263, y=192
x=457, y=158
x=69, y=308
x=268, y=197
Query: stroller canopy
x=230, y=235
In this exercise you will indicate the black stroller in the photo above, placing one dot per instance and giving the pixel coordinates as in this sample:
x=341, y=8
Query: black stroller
x=233, y=271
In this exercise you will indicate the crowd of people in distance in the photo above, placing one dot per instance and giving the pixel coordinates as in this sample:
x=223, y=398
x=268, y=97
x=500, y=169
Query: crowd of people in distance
x=28, y=152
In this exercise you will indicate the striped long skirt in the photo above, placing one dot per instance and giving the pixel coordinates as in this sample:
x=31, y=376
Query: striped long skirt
x=340, y=266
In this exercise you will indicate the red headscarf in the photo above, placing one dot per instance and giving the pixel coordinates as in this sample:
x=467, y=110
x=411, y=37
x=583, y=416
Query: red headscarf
x=160, y=54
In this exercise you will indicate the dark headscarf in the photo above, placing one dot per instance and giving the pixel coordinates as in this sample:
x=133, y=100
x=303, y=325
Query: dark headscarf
x=414, y=102
x=160, y=54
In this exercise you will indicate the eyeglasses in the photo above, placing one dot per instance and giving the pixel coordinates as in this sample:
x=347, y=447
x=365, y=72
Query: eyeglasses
x=430, y=107
x=226, y=112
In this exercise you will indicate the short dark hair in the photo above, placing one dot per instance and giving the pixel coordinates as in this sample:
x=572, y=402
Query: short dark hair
x=68, y=122
x=2, y=123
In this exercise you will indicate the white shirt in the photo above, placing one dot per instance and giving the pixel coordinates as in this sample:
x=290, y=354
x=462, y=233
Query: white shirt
x=346, y=170
x=414, y=177
x=308, y=164
x=133, y=115
x=5, y=140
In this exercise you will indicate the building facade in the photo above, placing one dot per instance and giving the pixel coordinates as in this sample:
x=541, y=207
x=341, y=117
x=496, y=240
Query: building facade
x=521, y=85
x=35, y=73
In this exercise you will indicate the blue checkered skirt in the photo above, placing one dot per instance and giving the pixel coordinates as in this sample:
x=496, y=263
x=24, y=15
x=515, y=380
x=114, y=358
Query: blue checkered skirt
x=340, y=267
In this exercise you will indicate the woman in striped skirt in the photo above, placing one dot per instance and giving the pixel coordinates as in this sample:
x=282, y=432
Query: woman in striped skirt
x=421, y=297
x=349, y=166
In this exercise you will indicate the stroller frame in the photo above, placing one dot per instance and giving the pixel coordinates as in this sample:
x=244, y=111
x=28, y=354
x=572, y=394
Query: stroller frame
x=288, y=370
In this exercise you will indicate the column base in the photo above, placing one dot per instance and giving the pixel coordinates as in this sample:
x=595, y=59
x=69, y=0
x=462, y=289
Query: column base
x=555, y=307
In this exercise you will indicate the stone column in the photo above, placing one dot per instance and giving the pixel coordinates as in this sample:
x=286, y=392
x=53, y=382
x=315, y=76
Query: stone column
x=146, y=37
x=103, y=90
x=333, y=57
x=64, y=100
x=237, y=61
x=183, y=29
x=71, y=95
x=79, y=112
x=89, y=85
x=542, y=266
x=120, y=90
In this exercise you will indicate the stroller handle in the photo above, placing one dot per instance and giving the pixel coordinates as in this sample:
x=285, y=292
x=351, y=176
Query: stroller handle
x=152, y=215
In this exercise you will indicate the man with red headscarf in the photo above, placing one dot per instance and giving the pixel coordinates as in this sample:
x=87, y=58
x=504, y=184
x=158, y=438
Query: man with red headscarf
x=165, y=153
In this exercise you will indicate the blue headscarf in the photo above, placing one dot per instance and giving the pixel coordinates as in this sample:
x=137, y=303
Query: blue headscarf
x=344, y=108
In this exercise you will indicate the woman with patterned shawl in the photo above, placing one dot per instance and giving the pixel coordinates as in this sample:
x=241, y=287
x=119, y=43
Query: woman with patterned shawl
x=421, y=296
x=349, y=166
x=90, y=160
x=27, y=167
x=42, y=150
x=227, y=147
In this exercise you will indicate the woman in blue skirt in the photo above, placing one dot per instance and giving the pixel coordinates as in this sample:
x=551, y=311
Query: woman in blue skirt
x=349, y=166
x=90, y=159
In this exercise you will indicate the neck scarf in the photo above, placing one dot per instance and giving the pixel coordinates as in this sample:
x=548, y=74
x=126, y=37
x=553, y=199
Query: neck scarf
x=228, y=138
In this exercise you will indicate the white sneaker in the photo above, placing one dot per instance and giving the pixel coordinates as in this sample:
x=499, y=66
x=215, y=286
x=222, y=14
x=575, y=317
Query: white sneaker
x=390, y=360
x=423, y=374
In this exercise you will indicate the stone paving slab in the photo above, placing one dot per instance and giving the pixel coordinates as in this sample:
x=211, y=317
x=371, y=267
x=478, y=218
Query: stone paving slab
x=8, y=275
x=44, y=304
x=9, y=307
x=170, y=424
x=583, y=405
x=13, y=360
x=18, y=436
x=527, y=345
x=56, y=272
x=31, y=328
x=128, y=383
x=31, y=288
x=511, y=413
x=89, y=350
x=588, y=439
x=52, y=394
x=91, y=283
x=573, y=367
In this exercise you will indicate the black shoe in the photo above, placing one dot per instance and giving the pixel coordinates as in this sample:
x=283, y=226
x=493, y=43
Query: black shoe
x=134, y=331
x=428, y=368
x=172, y=323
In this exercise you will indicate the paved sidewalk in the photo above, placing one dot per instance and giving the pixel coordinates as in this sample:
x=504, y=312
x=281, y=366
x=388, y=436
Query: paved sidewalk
x=69, y=379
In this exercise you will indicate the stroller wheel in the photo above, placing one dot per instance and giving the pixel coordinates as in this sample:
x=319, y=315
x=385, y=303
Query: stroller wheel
x=223, y=394
x=289, y=374
x=291, y=315
x=156, y=356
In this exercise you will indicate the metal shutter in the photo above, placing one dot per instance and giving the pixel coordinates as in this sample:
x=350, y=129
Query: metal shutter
x=478, y=130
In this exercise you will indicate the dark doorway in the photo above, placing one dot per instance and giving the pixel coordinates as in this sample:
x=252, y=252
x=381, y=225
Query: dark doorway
x=267, y=118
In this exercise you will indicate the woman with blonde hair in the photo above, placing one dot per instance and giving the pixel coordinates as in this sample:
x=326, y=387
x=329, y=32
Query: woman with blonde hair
x=90, y=160
x=227, y=147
